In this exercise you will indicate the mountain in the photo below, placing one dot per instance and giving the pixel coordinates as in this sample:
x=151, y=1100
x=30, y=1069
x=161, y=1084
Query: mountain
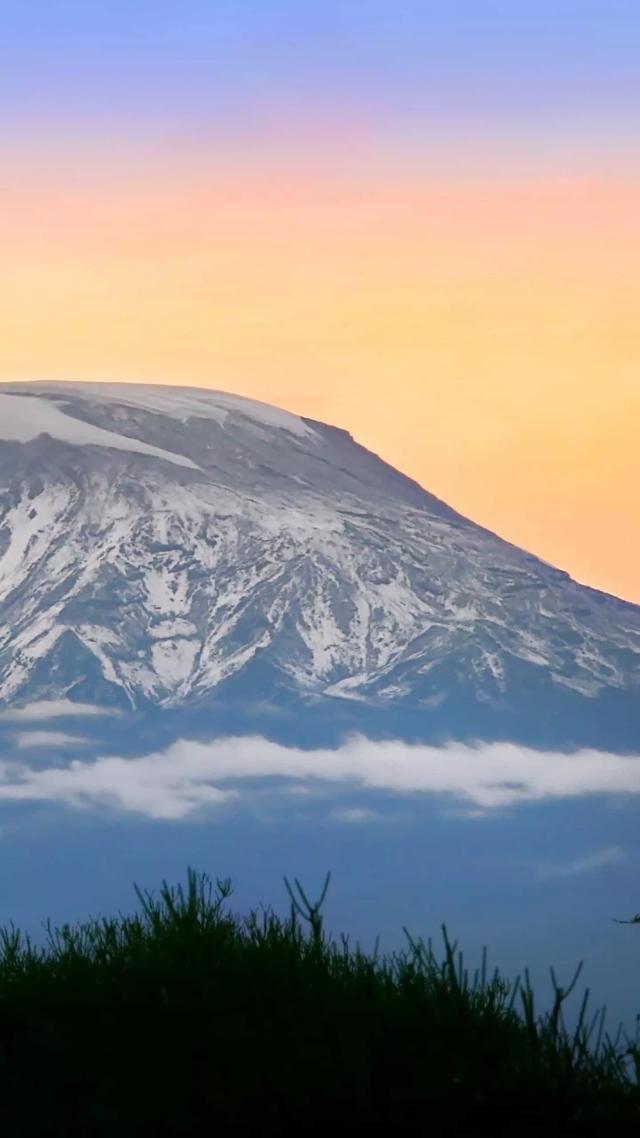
x=211, y=556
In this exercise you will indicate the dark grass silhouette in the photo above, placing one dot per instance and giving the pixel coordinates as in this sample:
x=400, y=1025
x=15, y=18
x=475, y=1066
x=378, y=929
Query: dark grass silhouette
x=187, y=1019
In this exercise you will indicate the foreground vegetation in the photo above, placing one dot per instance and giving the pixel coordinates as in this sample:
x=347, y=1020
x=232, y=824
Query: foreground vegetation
x=187, y=1019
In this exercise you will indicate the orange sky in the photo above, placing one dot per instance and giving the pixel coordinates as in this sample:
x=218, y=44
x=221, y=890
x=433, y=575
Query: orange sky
x=482, y=333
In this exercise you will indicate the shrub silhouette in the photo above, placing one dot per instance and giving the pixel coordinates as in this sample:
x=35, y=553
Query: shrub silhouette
x=184, y=1018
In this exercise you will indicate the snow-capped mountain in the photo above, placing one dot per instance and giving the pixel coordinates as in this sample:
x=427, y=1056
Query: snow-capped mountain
x=185, y=548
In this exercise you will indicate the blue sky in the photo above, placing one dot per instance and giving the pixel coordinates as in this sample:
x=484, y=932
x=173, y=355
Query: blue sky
x=400, y=60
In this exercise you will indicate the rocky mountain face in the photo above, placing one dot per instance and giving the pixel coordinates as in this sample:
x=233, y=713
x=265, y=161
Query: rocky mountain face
x=188, y=550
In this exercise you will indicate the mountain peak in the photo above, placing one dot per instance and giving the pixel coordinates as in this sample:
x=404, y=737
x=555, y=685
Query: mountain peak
x=168, y=546
x=179, y=403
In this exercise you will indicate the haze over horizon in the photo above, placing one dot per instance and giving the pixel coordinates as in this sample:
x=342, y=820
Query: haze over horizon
x=421, y=226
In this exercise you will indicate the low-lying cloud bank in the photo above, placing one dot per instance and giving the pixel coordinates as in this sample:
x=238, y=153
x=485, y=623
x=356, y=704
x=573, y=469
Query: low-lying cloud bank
x=173, y=783
x=45, y=709
x=589, y=863
x=26, y=740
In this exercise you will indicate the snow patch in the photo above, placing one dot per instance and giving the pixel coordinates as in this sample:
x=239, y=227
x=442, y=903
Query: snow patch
x=185, y=403
x=173, y=660
x=25, y=417
x=167, y=629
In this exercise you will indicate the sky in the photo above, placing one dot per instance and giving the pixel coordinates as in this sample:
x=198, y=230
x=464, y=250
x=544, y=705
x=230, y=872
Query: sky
x=416, y=220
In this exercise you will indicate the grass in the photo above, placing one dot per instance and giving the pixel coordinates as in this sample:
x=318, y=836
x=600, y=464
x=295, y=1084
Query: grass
x=185, y=1018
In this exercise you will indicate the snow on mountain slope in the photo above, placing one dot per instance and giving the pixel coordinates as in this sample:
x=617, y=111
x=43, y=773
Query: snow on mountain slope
x=163, y=545
x=23, y=419
x=181, y=403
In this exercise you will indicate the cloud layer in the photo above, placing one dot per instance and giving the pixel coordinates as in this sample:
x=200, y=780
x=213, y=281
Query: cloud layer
x=49, y=739
x=173, y=783
x=588, y=863
x=45, y=709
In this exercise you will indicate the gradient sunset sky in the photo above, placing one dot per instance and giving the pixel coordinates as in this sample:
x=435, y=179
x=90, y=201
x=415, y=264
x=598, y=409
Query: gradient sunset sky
x=417, y=220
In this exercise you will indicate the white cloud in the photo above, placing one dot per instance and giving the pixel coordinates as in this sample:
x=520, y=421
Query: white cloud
x=589, y=863
x=300, y=789
x=174, y=782
x=53, y=709
x=27, y=739
x=354, y=814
